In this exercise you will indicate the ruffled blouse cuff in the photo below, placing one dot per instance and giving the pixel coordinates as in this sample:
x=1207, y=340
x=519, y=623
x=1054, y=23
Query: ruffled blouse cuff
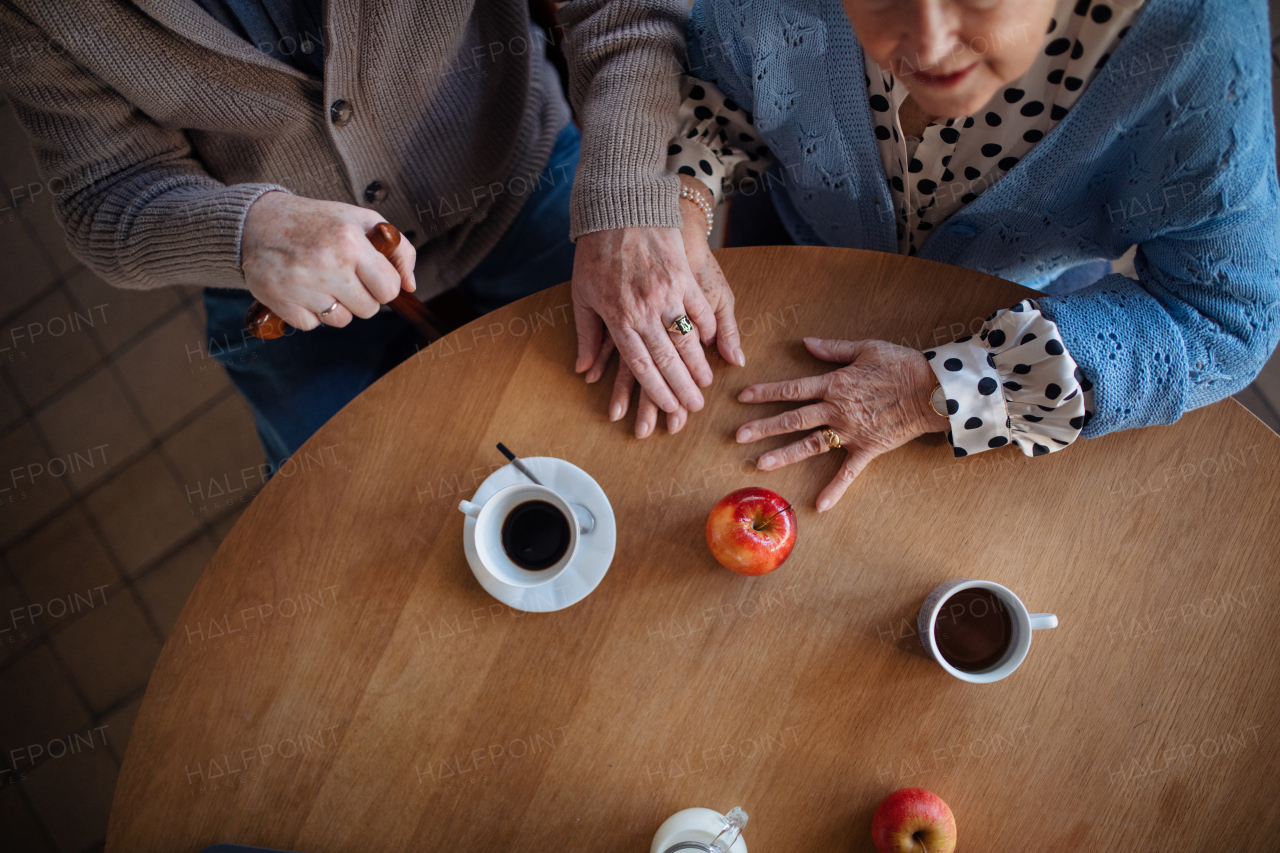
x=1014, y=382
x=715, y=140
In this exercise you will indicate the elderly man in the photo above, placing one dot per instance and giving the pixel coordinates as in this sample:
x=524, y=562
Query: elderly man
x=248, y=146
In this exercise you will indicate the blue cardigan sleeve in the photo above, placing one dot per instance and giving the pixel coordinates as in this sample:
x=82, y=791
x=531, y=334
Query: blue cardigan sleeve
x=1204, y=314
x=1197, y=326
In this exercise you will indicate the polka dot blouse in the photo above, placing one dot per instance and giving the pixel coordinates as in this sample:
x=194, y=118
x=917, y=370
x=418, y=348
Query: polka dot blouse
x=716, y=141
x=1015, y=383
x=1044, y=400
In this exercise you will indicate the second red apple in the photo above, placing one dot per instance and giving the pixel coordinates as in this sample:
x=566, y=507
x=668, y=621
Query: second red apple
x=913, y=820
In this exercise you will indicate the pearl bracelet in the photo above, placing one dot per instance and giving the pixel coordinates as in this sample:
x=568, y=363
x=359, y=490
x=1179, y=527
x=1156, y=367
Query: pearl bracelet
x=707, y=210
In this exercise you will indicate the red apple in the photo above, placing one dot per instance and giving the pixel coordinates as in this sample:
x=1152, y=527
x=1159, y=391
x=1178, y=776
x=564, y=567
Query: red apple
x=913, y=820
x=751, y=531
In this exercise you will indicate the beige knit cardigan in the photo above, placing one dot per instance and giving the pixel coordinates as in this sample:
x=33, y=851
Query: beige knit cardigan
x=156, y=128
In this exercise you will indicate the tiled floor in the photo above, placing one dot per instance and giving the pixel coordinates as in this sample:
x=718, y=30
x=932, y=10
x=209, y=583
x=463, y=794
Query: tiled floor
x=110, y=420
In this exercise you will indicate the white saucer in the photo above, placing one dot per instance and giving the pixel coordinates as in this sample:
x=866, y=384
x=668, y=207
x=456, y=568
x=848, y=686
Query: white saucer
x=595, y=549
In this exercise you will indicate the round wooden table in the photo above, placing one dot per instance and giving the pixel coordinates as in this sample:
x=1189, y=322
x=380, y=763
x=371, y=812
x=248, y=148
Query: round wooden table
x=339, y=681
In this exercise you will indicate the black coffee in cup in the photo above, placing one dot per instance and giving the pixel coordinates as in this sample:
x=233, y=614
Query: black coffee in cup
x=973, y=630
x=535, y=535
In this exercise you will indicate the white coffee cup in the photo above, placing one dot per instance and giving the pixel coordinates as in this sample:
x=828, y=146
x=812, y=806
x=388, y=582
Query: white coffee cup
x=1023, y=624
x=488, y=532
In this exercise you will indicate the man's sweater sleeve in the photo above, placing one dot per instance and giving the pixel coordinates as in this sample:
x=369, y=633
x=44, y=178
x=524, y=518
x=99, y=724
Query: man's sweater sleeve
x=136, y=205
x=624, y=81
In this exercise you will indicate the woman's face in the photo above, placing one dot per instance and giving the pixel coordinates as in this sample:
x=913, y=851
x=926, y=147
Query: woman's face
x=952, y=55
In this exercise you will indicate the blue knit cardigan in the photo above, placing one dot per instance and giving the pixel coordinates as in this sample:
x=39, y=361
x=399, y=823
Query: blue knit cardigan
x=1171, y=147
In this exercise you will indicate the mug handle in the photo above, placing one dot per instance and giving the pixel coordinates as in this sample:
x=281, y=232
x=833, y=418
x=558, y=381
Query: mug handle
x=468, y=508
x=586, y=521
x=1042, y=620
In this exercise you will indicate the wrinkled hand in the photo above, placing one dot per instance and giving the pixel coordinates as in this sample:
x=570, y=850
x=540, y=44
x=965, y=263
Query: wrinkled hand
x=633, y=283
x=714, y=291
x=880, y=401
x=299, y=255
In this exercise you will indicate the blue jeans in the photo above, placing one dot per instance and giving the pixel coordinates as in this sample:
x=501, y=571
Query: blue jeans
x=296, y=383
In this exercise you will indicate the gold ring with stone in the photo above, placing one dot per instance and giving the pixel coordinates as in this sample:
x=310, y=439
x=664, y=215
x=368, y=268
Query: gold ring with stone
x=681, y=325
x=830, y=437
x=326, y=312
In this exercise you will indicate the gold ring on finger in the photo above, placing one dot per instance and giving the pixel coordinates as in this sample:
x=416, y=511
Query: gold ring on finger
x=830, y=437
x=681, y=324
x=326, y=312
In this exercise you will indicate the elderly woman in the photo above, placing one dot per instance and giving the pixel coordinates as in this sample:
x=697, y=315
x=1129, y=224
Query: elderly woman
x=1035, y=140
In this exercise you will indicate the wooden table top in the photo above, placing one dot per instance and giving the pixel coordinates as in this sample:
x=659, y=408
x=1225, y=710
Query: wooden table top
x=338, y=680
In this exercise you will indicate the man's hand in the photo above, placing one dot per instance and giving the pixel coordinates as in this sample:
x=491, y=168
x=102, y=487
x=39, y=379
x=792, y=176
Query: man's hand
x=300, y=255
x=709, y=306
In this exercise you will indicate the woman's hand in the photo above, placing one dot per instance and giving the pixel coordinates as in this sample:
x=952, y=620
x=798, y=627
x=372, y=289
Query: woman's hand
x=878, y=402
x=300, y=255
x=715, y=290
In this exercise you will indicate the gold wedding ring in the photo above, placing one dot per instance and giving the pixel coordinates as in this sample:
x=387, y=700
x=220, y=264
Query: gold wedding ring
x=830, y=437
x=681, y=325
x=326, y=312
